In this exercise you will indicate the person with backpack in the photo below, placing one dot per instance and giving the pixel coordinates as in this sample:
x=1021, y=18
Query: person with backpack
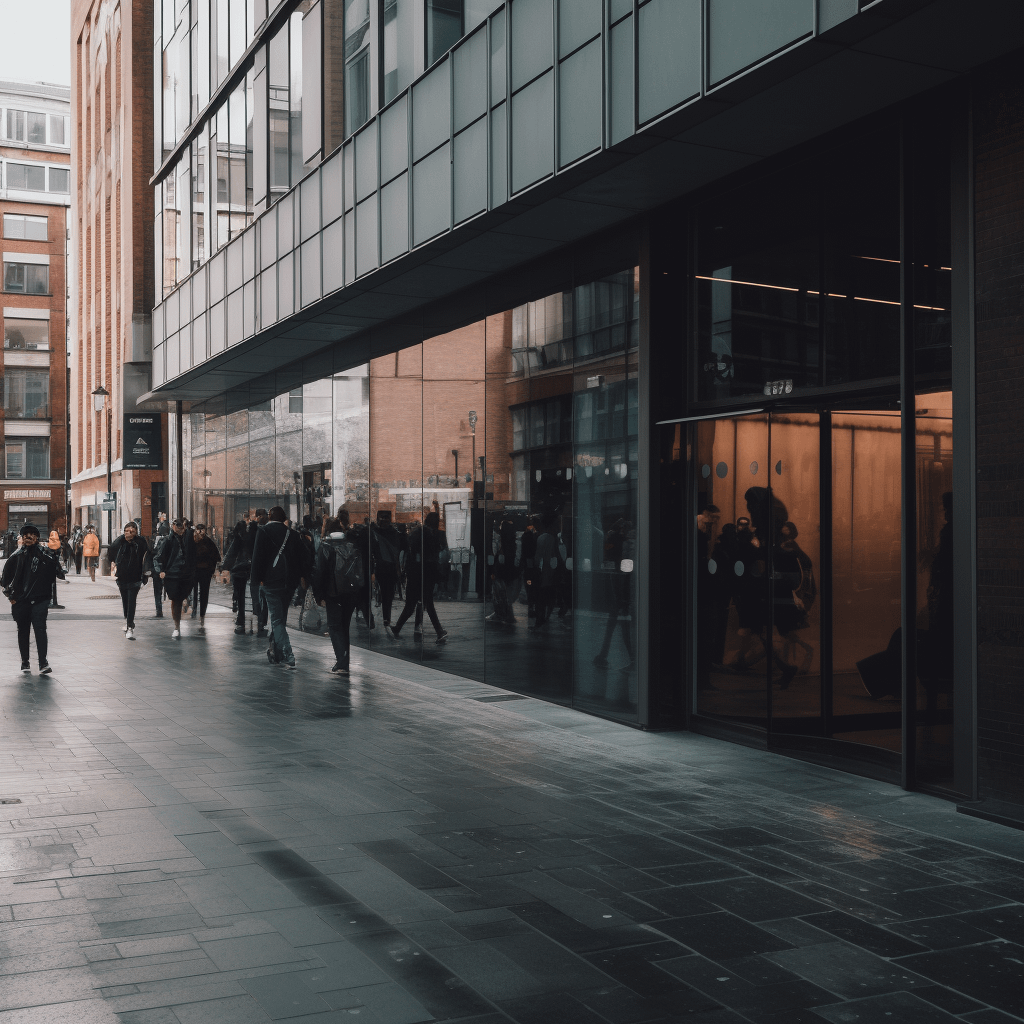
x=385, y=550
x=91, y=550
x=175, y=564
x=277, y=556
x=338, y=581
x=27, y=581
x=129, y=554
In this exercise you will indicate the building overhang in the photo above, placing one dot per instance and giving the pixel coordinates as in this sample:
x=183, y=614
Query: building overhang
x=888, y=53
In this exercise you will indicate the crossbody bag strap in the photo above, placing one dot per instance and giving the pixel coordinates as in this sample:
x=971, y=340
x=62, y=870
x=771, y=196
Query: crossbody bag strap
x=280, y=550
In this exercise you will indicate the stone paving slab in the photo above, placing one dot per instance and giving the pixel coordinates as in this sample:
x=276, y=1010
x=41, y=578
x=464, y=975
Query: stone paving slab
x=202, y=837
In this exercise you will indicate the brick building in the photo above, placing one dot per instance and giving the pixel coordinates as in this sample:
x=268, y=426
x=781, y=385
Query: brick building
x=722, y=295
x=34, y=198
x=111, y=258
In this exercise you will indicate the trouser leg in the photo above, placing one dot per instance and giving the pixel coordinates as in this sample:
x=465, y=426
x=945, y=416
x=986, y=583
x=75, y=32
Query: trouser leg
x=39, y=610
x=22, y=613
x=386, y=581
x=411, y=600
x=428, y=605
x=203, y=585
x=158, y=594
x=133, y=597
x=238, y=587
x=277, y=609
x=124, y=591
x=339, y=618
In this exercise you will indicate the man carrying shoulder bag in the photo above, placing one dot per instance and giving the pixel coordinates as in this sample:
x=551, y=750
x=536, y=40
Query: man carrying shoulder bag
x=277, y=555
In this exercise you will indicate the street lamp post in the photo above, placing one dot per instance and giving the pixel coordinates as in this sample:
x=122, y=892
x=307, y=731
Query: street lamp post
x=101, y=398
x=472, y=465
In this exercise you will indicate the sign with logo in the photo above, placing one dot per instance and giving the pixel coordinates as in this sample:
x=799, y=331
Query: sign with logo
x=24, y=494
x=141, y=436
x=106, y=501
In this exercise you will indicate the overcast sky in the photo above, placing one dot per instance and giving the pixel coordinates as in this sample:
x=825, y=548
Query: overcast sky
x=37, y=41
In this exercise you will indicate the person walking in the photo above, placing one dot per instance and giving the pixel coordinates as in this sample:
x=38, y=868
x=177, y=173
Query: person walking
x=76, y=549
x=238, y=562
x=129, y=554
x=275, y=554
x=158, y=584
x=53, y=545
x=385, y=550
x=423, y=574
x=91, y=550
x=207, y=559
x=338, y=580
x=175, y=564
x=259, y=605
x=27, y=581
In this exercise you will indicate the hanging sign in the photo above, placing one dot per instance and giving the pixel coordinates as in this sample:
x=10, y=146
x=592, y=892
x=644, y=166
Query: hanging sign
x=142, y=441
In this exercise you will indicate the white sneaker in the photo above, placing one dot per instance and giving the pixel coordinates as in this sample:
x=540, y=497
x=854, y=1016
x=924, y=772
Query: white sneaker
x=130, y=634
x=175, y=634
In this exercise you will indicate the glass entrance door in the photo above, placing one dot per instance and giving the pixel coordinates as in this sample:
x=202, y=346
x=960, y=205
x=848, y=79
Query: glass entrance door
x=758, y=635
x=797, y=563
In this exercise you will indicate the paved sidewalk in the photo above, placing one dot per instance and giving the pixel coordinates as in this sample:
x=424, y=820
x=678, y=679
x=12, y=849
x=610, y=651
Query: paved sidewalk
x=204, y=839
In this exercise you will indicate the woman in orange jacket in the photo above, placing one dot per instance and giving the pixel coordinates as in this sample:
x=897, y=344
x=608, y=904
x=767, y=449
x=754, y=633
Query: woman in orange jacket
x=91, y=550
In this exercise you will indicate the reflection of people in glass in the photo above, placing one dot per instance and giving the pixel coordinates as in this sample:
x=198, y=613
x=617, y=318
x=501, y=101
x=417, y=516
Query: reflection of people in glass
x=504, y=573
x=385, y=549
x=794, y=591
x=935, y=658
x=546, y=565
x=707, y=589
x=424, y=572
x=620, y=550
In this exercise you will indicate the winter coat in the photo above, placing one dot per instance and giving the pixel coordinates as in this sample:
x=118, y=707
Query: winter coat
x=207, y=557
x=176, y=556
x=90, y=545
x=29, y=574
x=129, y=558
x=290, y=567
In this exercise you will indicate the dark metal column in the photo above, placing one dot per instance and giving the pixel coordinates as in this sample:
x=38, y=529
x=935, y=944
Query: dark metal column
x=908, y=447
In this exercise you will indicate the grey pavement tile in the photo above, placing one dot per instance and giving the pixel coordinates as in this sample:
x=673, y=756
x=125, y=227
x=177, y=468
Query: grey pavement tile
x=284, y=995
x=904, y=1007
x=79, y=1011
x=232, y=1010
x=251, y=951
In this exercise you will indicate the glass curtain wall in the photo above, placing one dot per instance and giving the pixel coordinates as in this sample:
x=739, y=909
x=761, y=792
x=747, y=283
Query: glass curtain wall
x=799, y=518
x=490, y=476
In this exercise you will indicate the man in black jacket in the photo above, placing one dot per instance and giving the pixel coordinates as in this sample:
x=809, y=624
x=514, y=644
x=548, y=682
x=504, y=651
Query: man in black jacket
x=175, y=564
x=278, y=564
x=27, y=582
x=129, y=555
x=238, y=561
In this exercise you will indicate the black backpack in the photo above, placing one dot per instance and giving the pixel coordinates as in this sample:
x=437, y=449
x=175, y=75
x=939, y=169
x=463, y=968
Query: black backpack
x=347, y=569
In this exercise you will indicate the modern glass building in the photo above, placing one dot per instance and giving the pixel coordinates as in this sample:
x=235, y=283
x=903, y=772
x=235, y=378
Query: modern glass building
x=709, y=302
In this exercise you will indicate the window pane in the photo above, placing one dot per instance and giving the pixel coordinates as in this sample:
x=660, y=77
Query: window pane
x=38, y=458
x=14, y=226
x=26, y=393
x=28, y=177
x=37, y=128
x=444, y=27
x=15, y=458
x=60, y=180
x=56, y=130
x=26, y=334
x=16, y=125
x=14, y=277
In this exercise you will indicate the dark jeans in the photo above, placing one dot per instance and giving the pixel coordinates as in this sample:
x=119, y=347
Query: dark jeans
x=158, y=594
x=387, y=580
x=129, y=595
x=276, y=599
x=31, y=617
x=259, y=605
x=239, y=585
x=201, y=594
x=414, y=594
x=339, y=616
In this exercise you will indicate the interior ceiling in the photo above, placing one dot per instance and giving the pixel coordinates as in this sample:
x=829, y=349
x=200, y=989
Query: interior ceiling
x=892, y=52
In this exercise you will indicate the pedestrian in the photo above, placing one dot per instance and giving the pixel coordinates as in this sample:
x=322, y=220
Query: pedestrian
x=207, y=558
x=175, y=564
x=385, y=549
x=423, y=574
x=158, y=584
x=53, y=545
x=276, y=554
x=259, y=605
x=162, y=528
x=91, y=550
x=338, y=580
x=76, y=548
x=130, y=557
x=238, y=562
x=27, y=581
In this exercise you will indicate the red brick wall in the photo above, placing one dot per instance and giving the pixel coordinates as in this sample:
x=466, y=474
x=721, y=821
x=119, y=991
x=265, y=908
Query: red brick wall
x=999, y=323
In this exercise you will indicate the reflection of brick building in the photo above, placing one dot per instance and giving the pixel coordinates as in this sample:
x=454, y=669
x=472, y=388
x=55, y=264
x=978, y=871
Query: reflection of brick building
x=34, y=157
x=112, y=246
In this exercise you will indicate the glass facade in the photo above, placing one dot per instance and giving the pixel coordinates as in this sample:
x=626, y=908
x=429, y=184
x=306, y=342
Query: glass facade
x=801, y=511
x=521, y=432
